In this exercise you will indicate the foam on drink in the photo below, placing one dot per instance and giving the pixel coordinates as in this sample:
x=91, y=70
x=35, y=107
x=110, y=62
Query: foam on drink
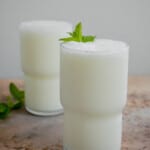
x=99, y=46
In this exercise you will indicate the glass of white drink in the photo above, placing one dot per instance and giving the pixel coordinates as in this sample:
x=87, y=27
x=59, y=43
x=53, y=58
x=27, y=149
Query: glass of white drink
x=93, y=81
x=40, y=63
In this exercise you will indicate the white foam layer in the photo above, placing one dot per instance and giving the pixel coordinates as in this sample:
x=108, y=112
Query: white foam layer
x=88, y=46
x=42, y=26
x=101, y=46
x=111, y=46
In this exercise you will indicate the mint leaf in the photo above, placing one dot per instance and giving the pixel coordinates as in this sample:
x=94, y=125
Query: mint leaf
x=4, y=110
x=88, y=38
x=15, y=92
x=18, y=95
x=77, y=36
x=14, y=101
x=10, y=102
x=77, y=33
x=67, y=39
x=17, y=105
x=14, y=104
x=70, y=33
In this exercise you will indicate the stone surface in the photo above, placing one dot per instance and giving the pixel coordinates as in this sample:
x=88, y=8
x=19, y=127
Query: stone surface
x=22, y=131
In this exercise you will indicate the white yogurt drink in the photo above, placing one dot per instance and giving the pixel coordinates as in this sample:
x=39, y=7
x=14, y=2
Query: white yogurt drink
x=93, y=81
x=40, y=63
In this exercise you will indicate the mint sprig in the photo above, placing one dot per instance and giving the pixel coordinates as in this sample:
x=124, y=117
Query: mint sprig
x=16, y=92
x=77, y=35
x=14, y=101
x=4, y=110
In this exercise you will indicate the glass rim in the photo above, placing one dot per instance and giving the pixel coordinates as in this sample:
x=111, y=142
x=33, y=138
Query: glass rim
x=124, y=48
x=44, y=25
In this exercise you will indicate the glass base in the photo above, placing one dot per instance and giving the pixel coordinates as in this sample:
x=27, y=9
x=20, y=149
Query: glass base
x=42, y=113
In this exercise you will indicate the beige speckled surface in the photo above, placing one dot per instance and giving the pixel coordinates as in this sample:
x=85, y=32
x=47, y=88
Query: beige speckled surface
x=22, y=131
x=136, y=133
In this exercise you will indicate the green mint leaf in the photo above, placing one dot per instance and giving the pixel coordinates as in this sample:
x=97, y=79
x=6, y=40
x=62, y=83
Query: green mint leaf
x=77, y=33
x=67, y=39
x=77, y=36
x=4, y=110
x=15, y=101
x=10, y=102
x=88, y=38
x=22, y=94
x=70, y=33
x=17, y=105
x=15, y=92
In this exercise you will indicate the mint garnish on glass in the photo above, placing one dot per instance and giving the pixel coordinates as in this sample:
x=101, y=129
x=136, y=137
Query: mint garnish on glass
x=14, y=101
x=77, y=35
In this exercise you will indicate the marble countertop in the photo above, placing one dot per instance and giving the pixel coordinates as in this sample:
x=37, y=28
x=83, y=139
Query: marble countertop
x=22, y=131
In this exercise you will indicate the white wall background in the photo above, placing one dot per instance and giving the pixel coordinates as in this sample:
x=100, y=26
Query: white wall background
x=127, y=20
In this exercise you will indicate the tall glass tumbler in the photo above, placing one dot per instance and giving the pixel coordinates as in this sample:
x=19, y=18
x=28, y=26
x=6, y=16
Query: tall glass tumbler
x=93, y=93
x=40, y=63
